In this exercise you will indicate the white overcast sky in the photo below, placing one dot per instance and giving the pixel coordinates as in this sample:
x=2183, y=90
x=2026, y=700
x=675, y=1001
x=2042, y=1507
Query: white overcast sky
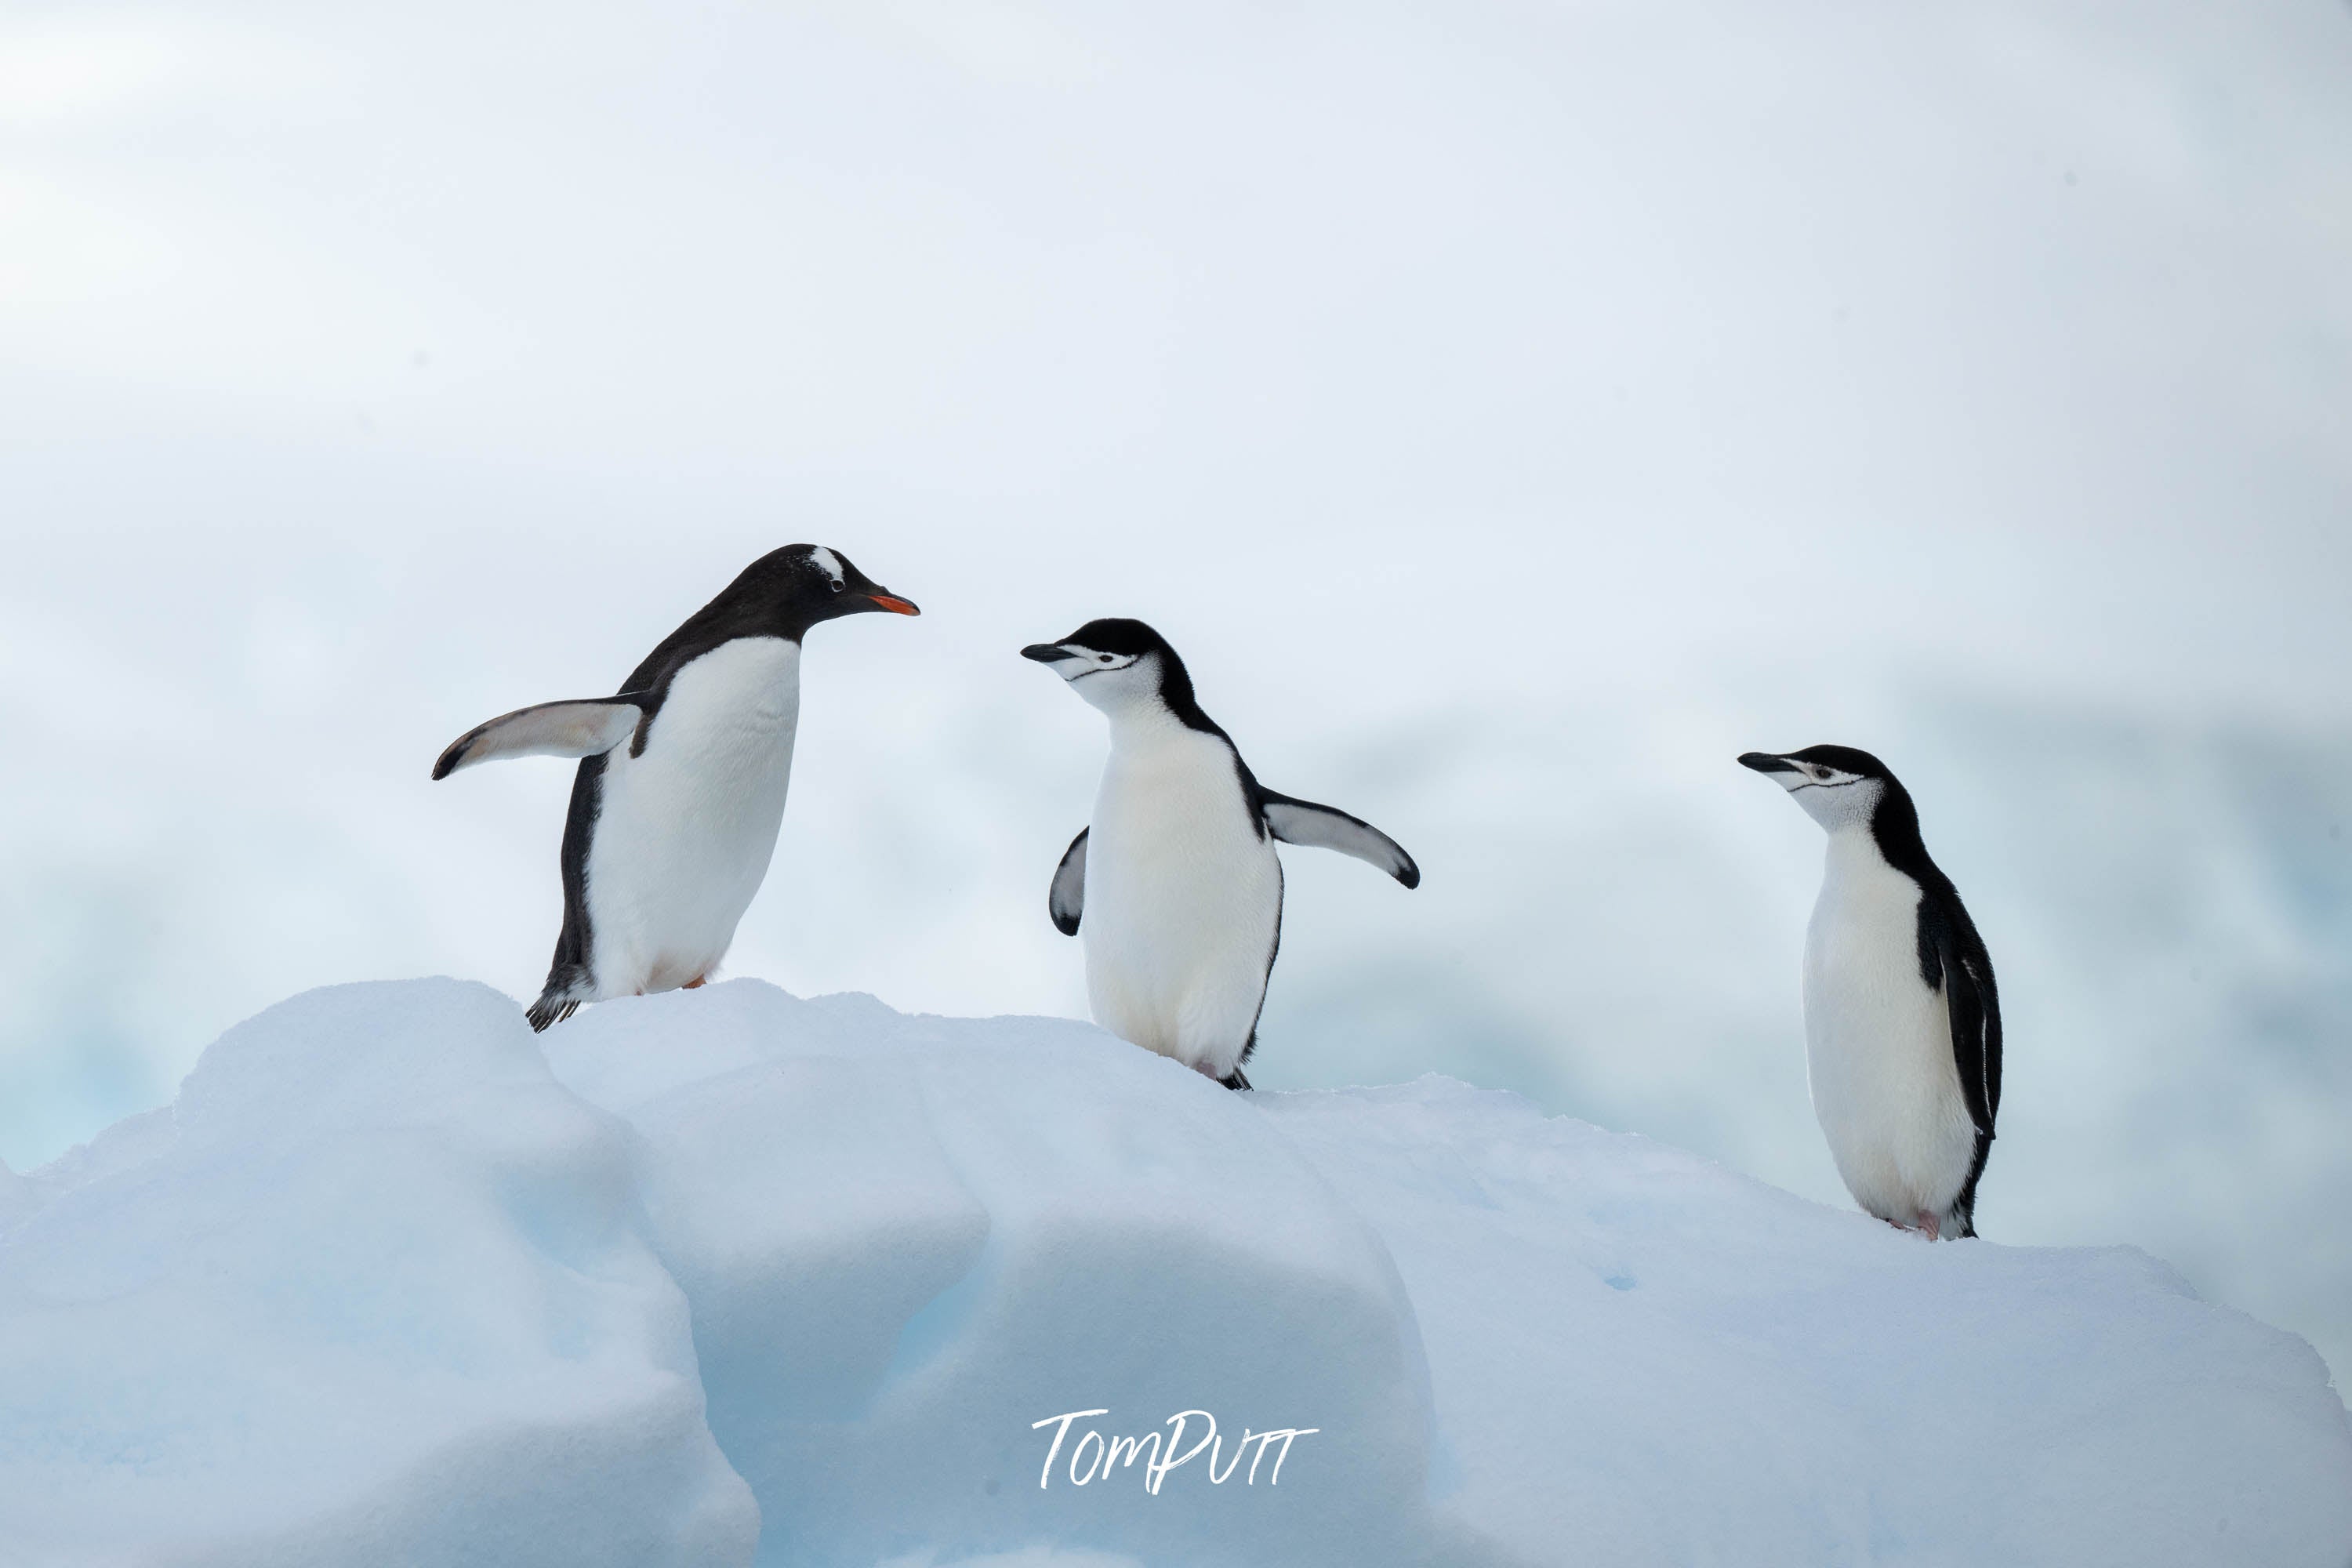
x=1514, y=410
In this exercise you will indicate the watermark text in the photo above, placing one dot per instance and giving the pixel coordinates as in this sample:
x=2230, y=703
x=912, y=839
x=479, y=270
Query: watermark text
x=1094, y=1457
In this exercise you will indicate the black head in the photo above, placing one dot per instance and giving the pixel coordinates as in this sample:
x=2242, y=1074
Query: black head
x=780, y=594
x=787, y=591
x=1120, y=665
x=1818, y=766
x=1841, y=787
x=1113, y=642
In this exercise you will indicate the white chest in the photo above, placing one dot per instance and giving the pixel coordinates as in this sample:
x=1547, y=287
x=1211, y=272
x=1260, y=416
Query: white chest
x=688, y=828
x=1878, y=1042
x=1862, y=946
x=1184, y=897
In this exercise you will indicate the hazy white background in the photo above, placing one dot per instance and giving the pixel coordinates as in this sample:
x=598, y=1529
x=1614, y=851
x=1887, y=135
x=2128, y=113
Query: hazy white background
x=1513, y=410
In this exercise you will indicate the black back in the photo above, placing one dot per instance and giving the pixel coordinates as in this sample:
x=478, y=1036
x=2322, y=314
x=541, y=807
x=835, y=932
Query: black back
x=1952, y=956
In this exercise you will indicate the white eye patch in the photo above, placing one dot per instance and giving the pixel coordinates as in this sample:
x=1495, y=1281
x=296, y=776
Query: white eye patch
x=1084, y=661
x=827, y=562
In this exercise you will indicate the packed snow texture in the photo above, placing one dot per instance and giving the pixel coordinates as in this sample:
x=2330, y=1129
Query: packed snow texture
x=726, y=1276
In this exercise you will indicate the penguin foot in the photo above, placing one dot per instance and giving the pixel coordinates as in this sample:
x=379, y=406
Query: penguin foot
x=1929, y=1224
x=696, y=983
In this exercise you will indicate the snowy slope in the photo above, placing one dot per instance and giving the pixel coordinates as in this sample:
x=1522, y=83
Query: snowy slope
x=372, y=1290
x=728, y=1276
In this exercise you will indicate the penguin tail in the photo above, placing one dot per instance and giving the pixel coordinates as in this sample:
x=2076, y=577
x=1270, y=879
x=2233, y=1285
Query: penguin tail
x=1235, y=1080
x=1960, y=1220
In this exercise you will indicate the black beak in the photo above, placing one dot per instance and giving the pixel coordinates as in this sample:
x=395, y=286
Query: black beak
x=1046, y=652
x=1764, y=763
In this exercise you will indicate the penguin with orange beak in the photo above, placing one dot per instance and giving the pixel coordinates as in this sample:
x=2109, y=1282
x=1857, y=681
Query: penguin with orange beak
x=682, y=777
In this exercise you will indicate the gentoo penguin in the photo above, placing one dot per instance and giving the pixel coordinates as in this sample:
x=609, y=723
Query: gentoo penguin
x=670, y=833
x=1902, y=1018
x=1176, y=878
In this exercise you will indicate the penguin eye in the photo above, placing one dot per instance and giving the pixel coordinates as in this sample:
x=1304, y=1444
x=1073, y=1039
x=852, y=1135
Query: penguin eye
x=839, y=585
x=1102, y=658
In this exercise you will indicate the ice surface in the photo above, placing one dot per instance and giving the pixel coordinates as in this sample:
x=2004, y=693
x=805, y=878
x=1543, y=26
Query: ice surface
x=726, y=1276
x=375, y=1290
x=1664, y=1362
x=16, y=1195
x=907, y=1239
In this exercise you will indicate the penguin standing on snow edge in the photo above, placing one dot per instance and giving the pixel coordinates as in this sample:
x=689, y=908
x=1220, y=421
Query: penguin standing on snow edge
x=1902, y=1018
x=682, y=777
x=1176, y=880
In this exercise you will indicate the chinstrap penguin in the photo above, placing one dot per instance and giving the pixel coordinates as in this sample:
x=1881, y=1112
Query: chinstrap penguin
x=670, y=833
x=1902, y=1017
x=1176, y=880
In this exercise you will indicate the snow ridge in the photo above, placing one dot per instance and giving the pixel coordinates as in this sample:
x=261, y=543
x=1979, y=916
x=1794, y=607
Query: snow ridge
x=726, y=1276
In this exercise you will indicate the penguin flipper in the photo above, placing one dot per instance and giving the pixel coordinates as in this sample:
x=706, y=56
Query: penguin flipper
x=1963, y=971
x=1328, y=827
x=1065, y=901
x=585, y=727
x=1975, y=1011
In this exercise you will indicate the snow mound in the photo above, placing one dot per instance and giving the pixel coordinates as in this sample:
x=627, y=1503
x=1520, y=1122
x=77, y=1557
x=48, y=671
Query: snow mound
x=909, y=1239
x=729, y=1276
x=375, y=1290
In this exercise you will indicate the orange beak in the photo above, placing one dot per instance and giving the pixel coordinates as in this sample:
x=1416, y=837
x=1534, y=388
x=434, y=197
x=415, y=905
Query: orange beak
x=891, y=603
